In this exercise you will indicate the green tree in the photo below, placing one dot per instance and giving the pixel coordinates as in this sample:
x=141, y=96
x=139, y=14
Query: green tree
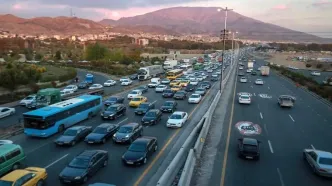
x=96, y=52
x=38, y=56
x=58, y=55
x=11, y=78
x=126, y=60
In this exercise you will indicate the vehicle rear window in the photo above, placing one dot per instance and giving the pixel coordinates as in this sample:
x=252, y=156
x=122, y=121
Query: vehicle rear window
x=249, y=147
x=325, y=161
x=79, y=163
x=245, y=97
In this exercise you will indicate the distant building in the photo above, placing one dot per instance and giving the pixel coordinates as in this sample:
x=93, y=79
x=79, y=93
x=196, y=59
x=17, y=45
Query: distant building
x=141, y=41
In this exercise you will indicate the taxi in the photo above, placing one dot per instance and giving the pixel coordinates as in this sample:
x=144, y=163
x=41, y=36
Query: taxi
x=37, y=176
x=136, y=101
x=176, y=88
x=174, y=83
x=184, y=83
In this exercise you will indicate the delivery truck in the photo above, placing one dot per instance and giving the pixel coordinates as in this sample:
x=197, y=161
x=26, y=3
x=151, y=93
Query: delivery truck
x=265, y=70
x=170, y=64
x=149, y=72
x=250, y=65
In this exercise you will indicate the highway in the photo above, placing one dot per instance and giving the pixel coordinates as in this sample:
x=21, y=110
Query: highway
x=284, y=134
x=14, y=119
x=318, y=79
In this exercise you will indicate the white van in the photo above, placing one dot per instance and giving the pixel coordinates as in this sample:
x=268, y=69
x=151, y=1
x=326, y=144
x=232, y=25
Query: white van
x=154, y=82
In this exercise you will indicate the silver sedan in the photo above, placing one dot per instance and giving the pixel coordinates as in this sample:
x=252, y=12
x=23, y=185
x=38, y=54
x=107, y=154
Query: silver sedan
x=319, y=161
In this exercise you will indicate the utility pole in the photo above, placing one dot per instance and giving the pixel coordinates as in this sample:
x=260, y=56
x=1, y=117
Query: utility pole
x=224, y=34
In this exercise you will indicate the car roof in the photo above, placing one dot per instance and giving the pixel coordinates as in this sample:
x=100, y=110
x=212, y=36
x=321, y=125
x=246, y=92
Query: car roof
x=323, y=154
x=178, y=112
x=144, y=139
x=14, y=175
x=105, y=125
x=115, y=105
x=249, y=141
x=77, y=127
x=195, y=95
x=169, y=102
x=153, y=110
x=130, y=125
x=139, y=97
x=3, y=107
x=87, y=154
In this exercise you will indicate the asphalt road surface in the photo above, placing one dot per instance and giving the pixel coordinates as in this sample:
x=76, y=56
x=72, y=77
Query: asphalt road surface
x=14, y=119
x=284, y=134
x=319, y=79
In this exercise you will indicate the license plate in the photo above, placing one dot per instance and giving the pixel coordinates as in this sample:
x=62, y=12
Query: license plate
x=139, y=112
x=146, y=122
x=249, y=157
x=67, y=181
x=60, y=143
x=128, y=162
x=105, y=117
x=90, y=142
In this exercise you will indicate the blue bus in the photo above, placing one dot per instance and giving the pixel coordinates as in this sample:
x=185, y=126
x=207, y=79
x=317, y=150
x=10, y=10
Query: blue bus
x=55, y=118
x=89, y=78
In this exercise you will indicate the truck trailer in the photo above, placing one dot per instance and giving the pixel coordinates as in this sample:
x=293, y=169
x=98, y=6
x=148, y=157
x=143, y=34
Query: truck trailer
x=149, y=72
x=265, y=70
x=170, y=64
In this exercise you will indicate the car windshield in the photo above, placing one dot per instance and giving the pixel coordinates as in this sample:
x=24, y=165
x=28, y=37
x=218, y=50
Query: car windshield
x=141, y=88
x=125, y=129
x=168, y=91
x=100, y=130
x=165, y=80
x=112, y=99
x=200, y=89
x=168, y=104
x=79, y=163
x=109, y=81
x=325, y=161
x=244, y=97
x=70, y=132
x=93, y=86
x=136, y=99
x=176, y=116
x=6, y=183
x=249, y=147
x=154, y=82
x=143, y=106
x=137, y=147
x=29, y=98
x=69, y=87
x=150, y=114
x=133, y=92
x=180, y=93
x=111, y=108
x=194, y=96
x=258, y=80
x=160, y=86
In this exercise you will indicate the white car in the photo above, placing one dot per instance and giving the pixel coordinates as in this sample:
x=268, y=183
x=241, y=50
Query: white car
x=259, y=69
x=210, y=71
x=165, y=81
x=177, y=119
x=194, y=82
x=218, y=72
x=241, y=68
x=243, y=80
x=73, y=88
x=134, y=93
x=6, y=111
x=192, y=79
x=248, y=70
x=315, y=73
x=244, y=99
x=3, y=142
x=126, y=82
x=123, y=79
x=194, y=98
x=161, y=88
x=259, y=82
x=28, y=100
x=153, y=84
x=95, y=86
x=109, y=83
x=66, y=92
x=199, y=78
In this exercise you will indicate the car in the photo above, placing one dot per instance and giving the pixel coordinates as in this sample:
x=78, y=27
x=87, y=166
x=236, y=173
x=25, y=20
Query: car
x=190, y=88
x=83, y=85
x=214, y=79
x=286, y=101
x=176, y=88
x=259, y=82
x=177, y=119
x=249, y=148
x=153, y=84
x=165, y=81
x=184, y=83
x=134, y=93
x=240, y=74
x=136, y=101
x=128, y=133
x=140, y=150
x=144, y=108
x=28, y=100
x=244, y=99
x=249, y=70
x=83, y=166
x=210, y=71
x=218, y=72
x=73, y=88
x=73, y=135
x=95, y=86
x=109, y=83
x=169, y=106
x=194, y=98
x=113, y=100
x=133, y=76
x=6, y=111
x=174, y=83
x=315, y=73
x=102, y=133
x=200, y=91
x=3, y=142
x=113, y=111
x=168, y=93
x=126, y=82
x=193, y=82
x=66, y=92
x=259, y=68
x=160, y=88
x=30, y=176
x=205, y=84
x=143, y=88
x=319, y=161
x=123, y=79
x=199, y=78
x=254, y=73
x=243, y=80
x=240, y=67
x=101, y=184
x=152, y=117
x=180, y=95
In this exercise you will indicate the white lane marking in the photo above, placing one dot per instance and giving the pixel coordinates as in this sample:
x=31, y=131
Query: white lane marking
x=261, y=115
x=56, y=161
x=154, y=102
x=280, y=177
x=122, y=121
x=254, y=94
x=291, y=117
x=268, y=88
x=313, y=147
x=265, y=128
x=270, y=145
x=251, y=86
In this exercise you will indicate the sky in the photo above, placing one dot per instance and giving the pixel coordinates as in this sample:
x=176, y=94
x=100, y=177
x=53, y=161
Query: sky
x=311, y=16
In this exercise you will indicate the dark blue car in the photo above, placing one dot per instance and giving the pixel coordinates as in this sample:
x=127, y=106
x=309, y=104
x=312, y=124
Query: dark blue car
x=113, y=100
x=102, y=133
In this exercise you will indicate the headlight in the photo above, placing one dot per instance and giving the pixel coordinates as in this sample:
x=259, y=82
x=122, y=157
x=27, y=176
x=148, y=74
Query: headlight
x=114, y=135
x=140, y=159
x=77, y=177
x=111, y=115
x=102, y=114
x=127, y=136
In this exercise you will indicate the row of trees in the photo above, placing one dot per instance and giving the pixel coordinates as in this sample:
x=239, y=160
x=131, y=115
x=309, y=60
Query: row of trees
x=302, y=47
x=190, y=45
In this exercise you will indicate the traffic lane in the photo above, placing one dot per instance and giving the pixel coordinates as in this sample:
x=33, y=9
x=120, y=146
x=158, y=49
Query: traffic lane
x=307, y=73
x=13, y=119
x=249, y=172
x=64, y=155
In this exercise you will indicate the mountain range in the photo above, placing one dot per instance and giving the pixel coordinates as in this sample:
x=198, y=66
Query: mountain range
x=168, y=21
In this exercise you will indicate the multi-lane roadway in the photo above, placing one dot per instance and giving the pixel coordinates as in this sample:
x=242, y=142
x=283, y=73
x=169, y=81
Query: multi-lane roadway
x=284, y=133
x=318, y=79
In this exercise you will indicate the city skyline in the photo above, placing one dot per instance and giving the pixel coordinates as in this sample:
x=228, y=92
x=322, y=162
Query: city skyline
x=309, y=16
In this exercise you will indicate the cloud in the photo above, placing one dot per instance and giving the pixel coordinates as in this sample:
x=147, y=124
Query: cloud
x=280, y=7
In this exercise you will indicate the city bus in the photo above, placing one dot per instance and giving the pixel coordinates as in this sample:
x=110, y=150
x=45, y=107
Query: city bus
x=186, y=69
x=173, y=74
x=55, y=118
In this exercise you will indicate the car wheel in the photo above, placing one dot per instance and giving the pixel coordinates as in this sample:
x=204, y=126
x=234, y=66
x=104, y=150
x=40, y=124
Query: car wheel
x=73, y=143
x=145, y=160
x=104, y=141
x=40, y=183
x=105, y=163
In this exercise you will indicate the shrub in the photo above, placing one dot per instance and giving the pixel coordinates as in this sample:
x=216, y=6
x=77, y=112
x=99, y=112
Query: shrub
x=319, y=65
x=308, y=65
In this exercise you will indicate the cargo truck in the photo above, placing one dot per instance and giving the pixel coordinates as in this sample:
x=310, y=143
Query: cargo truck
x=149, y=72
x=265, y=70
x=250, y=65
x=170, y=64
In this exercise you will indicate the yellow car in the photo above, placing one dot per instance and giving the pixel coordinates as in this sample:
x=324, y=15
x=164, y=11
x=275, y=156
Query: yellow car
x=136, y=101
x=184, y=83
x=174, y=83
x=36, y=177
x=176, y=88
